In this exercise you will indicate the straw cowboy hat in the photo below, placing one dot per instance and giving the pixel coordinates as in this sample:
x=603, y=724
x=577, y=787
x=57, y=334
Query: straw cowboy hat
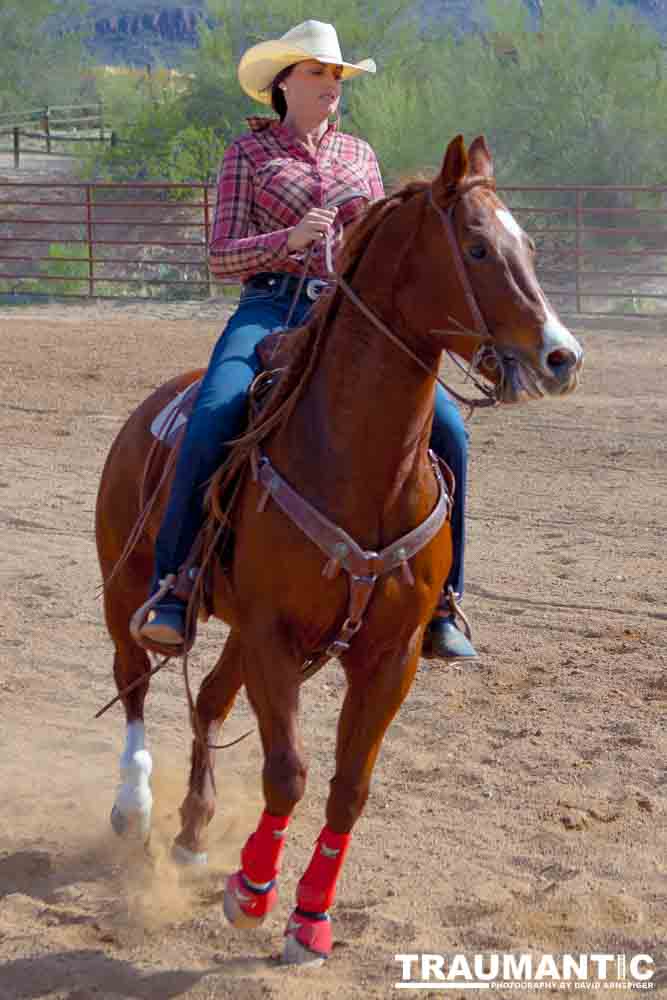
x=261, y=64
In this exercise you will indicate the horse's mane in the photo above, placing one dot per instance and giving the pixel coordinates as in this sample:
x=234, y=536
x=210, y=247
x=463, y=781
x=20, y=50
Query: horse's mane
x=304, y=360
x=361, y=232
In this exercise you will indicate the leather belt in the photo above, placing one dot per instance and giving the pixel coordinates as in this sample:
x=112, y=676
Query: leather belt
x=287, y=284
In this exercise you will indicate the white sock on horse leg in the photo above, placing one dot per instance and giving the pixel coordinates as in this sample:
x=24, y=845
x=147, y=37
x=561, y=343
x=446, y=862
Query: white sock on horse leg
x=134, y=795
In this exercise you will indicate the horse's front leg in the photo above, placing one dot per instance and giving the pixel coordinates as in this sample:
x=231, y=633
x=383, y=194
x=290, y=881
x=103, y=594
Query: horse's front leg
x=214, y=703
x=271, y=677
x=377, y=686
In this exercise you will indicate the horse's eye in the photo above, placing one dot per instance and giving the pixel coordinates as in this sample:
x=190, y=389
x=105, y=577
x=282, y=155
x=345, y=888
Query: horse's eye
x=477, y=251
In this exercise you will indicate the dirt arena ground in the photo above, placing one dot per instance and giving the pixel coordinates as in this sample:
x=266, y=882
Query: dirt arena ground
x=519, y=802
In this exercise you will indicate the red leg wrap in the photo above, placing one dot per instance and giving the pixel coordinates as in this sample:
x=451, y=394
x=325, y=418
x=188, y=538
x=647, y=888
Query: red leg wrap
x=260, y=858
x=317, y=888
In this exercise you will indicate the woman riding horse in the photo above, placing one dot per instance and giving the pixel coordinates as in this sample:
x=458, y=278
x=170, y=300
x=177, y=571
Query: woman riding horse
x=342, y=539
x=283, y=187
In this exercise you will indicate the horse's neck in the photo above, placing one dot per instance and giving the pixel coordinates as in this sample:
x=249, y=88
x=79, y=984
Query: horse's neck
x=356, y=444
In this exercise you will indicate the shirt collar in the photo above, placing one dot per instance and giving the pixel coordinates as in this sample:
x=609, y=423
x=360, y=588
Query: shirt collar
x=259, y=123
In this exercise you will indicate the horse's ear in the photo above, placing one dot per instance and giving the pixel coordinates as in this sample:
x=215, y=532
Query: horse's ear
x=480, y=159
x=454, y=168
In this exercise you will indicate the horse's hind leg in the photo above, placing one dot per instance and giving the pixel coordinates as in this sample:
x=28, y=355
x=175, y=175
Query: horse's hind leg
x=214, y=703
x=377, y=686
x=131, y=812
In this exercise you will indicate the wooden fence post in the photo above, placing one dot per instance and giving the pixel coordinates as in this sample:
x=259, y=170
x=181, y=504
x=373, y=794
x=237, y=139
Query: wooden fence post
x=17, y=154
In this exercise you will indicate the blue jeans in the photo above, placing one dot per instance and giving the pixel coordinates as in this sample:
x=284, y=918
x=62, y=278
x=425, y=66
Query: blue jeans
x=220, y=414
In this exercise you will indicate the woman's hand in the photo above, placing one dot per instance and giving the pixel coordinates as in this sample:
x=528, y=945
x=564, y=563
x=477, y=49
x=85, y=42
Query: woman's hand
x=316, y=222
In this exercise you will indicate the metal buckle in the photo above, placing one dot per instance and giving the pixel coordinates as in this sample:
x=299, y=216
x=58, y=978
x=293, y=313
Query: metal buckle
x=315, y=287
x=256, y=283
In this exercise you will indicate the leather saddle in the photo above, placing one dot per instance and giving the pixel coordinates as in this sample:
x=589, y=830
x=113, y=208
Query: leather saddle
x=274, y=351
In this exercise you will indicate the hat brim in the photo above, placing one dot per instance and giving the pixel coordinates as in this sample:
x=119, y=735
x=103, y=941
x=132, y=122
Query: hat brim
x=261, y=64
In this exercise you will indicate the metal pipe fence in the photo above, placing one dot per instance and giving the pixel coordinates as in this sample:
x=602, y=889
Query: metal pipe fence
x=105, y=240
x=600, y=249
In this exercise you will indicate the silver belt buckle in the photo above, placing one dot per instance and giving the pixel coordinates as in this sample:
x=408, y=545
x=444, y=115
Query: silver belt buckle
x=315, y=287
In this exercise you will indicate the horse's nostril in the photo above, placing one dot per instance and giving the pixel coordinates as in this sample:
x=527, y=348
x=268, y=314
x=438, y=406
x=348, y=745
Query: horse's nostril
x=561, y=360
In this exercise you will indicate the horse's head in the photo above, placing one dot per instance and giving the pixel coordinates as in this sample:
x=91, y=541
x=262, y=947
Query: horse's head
x=469, y=283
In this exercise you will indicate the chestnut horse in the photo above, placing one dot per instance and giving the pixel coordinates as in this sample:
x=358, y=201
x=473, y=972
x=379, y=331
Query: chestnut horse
x=441, y=265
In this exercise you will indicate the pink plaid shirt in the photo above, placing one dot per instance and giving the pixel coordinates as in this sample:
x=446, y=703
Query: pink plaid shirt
x=268, y=182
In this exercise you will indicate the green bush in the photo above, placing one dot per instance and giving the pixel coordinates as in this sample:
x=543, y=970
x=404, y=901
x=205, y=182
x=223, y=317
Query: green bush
x=181, y=136
x=159, y=144
x=38, y=67
x=72, y=274
x=581, y=101
x=195, y=154
x=144, y=148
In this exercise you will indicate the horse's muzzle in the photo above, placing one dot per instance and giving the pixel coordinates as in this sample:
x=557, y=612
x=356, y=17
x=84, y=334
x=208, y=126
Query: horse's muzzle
x=522, y=380
x=565, y=375
x=561, y=357
x=561, y=363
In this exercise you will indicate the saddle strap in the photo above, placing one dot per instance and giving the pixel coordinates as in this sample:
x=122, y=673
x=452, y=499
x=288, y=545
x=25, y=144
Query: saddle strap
x=341, y=548
x=361, y=591
x=363, y=567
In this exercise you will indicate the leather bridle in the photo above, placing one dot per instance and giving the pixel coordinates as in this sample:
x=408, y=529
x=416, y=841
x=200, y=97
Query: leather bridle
x=490, y=395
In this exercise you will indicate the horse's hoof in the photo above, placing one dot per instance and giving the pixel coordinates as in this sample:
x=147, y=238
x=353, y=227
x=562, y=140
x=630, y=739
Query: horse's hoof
x=245, y=907
x=183, y=856
x=308, y=940
x=135, y=825
x=119, y=822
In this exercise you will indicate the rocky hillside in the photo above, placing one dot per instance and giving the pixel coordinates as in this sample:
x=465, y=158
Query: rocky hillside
x=141, y=32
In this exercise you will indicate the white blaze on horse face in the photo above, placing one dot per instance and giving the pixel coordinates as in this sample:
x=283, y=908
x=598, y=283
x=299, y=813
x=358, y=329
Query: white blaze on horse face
x=510, y=223
x=556, y=337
